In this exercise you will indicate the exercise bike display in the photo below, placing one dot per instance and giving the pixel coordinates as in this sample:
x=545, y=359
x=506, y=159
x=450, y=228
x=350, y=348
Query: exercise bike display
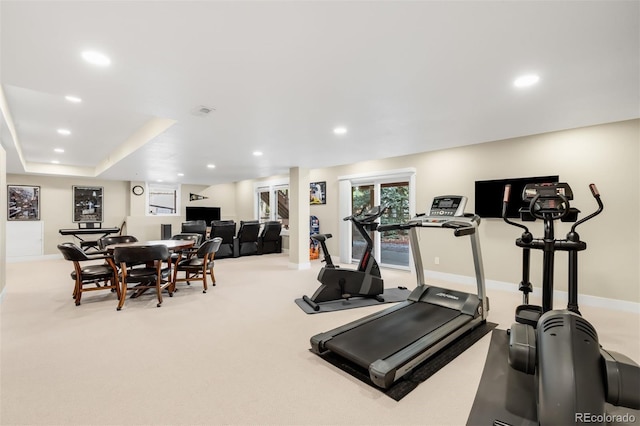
x=573, y=373
x=340, y=283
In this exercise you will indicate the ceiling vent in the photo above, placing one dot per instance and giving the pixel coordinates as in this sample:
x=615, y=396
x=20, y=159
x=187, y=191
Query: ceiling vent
x=202, y=110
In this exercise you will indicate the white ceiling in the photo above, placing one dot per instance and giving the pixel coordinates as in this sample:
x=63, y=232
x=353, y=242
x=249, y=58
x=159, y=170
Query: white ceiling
x=402, y=76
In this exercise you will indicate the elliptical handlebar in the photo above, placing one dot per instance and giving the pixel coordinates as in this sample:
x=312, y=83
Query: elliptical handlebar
x=553, y=214
x=596, y=195
x=505, y=204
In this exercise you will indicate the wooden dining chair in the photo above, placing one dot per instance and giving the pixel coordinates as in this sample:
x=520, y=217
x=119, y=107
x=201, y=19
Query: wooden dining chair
x=195, y=237
x=89, y=277
x=115, y=239
x=151, y=270
x=198, y=264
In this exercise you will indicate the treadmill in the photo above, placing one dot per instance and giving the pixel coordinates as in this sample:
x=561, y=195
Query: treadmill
x=394, y=341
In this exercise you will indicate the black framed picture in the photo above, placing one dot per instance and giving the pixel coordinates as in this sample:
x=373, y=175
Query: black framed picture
x=23, y=202
x=88, y=203
x=318, y=192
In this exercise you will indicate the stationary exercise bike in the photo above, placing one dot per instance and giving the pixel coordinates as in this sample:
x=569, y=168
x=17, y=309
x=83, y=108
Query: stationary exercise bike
x=339, y=283
x=575, y=377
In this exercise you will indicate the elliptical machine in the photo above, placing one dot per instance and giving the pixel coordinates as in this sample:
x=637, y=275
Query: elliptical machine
x=338, y=283
x=575, y=377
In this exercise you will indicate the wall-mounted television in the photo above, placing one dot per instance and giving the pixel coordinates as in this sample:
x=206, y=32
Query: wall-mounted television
x=490, y=193
x=203, y=213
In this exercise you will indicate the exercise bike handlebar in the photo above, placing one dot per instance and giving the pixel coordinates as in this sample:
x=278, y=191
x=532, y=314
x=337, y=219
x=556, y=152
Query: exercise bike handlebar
x=369, y=216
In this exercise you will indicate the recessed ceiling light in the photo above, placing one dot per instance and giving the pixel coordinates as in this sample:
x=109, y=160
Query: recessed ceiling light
x=159, y=180
x=65, y=132
x=211, y=166
x=96, y=58
x=526, y=80
x=180, y=174
x=257, y=153
x=55, y=162
x=340, y=130
x=60, y=150
x=74, y=99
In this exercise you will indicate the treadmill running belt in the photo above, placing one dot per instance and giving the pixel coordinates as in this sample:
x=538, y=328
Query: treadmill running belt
x=384, y=336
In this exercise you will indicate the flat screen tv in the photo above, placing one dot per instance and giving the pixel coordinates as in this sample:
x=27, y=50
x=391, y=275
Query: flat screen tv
x=203, y=213
x=489, y=195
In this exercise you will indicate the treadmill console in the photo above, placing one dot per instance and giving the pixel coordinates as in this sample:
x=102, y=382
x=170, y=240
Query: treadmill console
x=448, y=205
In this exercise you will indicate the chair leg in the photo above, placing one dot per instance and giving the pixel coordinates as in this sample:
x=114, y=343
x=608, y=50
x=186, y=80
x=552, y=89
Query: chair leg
x=172, y=287
x=77, y=292
x=204, y=281
x=159, y=291
x=116, y=283
x=123, y=294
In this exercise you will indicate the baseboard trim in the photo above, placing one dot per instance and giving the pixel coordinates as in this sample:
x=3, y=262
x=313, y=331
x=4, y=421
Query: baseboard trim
x=560, y=296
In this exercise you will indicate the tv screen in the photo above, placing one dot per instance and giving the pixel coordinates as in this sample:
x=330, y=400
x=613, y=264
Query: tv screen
x=490, y=193
x=203, y=213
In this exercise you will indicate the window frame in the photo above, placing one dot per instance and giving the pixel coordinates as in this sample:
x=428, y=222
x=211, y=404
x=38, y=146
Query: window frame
x=151, y=186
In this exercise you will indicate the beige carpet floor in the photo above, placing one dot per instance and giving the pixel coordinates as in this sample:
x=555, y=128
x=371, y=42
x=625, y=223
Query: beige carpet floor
x=236, y=355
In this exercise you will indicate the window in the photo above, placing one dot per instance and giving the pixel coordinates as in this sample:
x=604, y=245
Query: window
x=163, y=199
x=395, y=189
x=272, y=202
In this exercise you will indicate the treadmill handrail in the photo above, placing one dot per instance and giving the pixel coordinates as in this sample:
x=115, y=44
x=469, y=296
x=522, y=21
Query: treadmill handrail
x=438, y=222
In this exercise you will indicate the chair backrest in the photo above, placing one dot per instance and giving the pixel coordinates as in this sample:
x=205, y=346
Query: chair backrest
x=209, y=246
x=115, y=239
x=248, y=231
x=195, y=227
x=72, y=252
x=271, y=231
x=225, y=229
x=188, y=236
x=140, y=254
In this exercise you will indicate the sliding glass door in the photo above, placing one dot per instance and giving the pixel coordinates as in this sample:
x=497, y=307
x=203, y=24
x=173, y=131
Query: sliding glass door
x=391, y=248
x=394, y=245
x=362, y=198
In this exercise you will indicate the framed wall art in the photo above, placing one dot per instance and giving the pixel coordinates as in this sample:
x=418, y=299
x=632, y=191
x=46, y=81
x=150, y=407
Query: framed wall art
x=88, y=204
x=318, y=192
x=23, y=202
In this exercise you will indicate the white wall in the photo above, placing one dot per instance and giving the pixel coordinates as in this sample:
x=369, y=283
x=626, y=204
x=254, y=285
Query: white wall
x=606, y=155
x=3, y=217
x=120, y=205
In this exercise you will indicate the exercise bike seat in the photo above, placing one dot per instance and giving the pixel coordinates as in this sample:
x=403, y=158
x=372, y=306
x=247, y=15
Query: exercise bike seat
x=321, y=237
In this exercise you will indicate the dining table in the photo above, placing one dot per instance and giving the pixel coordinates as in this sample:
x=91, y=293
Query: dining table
x=172, y=245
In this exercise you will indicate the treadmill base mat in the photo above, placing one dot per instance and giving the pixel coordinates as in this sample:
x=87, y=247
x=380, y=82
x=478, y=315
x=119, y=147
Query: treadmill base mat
x=404, y=386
